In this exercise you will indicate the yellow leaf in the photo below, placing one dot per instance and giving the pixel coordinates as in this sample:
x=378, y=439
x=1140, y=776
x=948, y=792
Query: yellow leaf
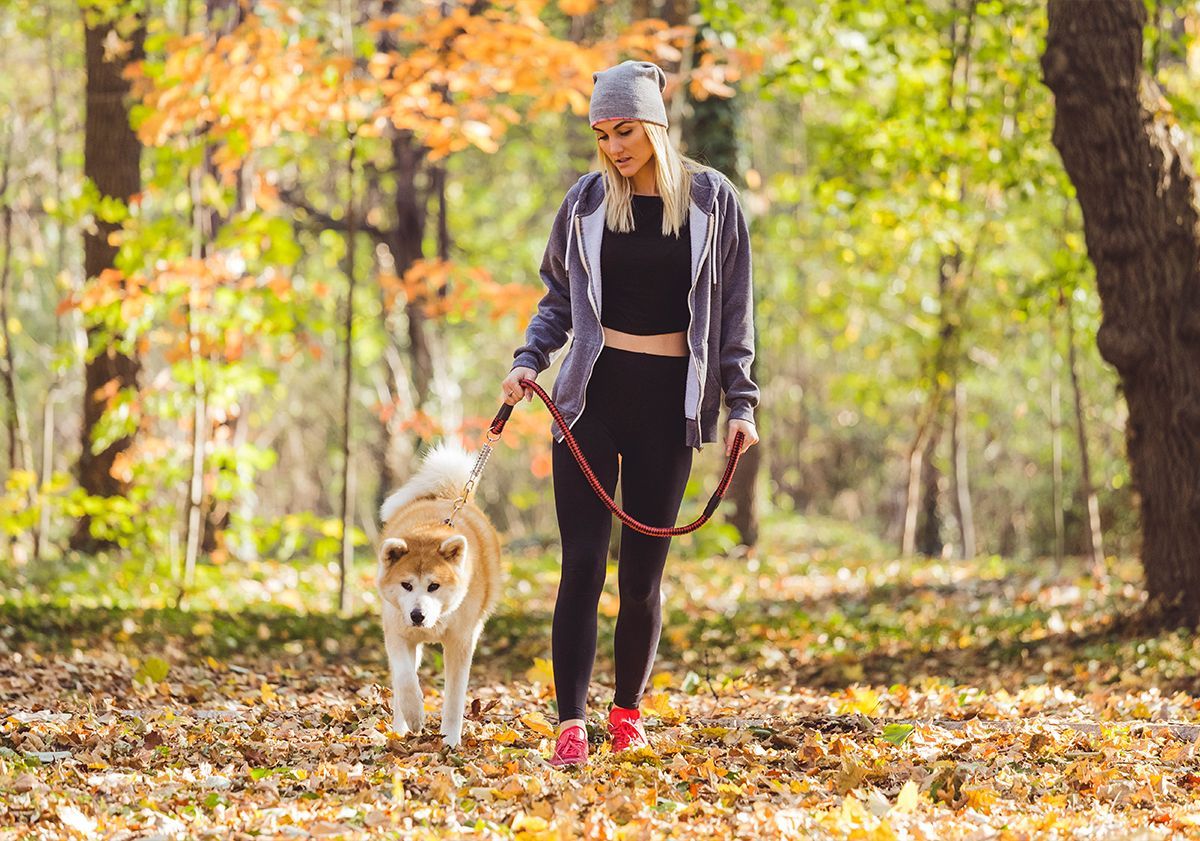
x=662, y=680
x=542, y=671
x=659, y=704
x=506, y=736
x=906, y=800
x=859, y=700
x=980, y=798
x=536, y=722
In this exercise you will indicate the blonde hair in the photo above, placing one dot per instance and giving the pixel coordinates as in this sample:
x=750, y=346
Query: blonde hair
x=673, y=175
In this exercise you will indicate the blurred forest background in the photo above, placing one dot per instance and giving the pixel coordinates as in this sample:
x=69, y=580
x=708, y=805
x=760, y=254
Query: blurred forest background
x=321, y=236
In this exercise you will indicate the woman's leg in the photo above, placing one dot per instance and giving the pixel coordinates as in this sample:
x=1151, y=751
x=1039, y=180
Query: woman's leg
x=653, y=479
x=584, y=525
x=655, y=463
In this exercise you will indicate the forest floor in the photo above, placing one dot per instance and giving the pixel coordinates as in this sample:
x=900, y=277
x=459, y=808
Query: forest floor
x=817, y=689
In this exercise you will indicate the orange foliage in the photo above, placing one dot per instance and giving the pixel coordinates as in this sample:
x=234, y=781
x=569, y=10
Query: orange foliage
x=444, y=287
x=448, y=80
x=421, y=424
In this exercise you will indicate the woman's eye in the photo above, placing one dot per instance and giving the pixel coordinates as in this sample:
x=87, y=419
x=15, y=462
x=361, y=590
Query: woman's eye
x=406, y=585
x=624, y=133
x=434, y=586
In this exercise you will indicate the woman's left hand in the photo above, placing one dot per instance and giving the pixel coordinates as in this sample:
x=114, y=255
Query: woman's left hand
x=736, y=426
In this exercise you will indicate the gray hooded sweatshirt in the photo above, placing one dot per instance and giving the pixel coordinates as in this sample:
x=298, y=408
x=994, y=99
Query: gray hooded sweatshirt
x=720, y=334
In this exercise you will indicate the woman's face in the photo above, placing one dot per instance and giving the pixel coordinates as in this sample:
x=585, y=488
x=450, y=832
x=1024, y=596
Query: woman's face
x=626, y=144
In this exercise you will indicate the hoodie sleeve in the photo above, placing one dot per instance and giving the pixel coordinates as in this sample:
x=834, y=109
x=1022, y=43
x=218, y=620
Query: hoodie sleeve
x=551, y=324
x=737, y=311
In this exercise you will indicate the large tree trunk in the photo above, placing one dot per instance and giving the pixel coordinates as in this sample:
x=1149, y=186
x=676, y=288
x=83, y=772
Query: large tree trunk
x=111, y=159
x=1132, y=172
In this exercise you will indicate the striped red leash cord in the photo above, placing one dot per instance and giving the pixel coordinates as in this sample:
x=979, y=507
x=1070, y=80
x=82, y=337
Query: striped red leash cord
x=654, y=531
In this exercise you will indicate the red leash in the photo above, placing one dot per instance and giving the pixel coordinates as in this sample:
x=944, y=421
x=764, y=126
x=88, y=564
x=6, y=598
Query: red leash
x=654, y=531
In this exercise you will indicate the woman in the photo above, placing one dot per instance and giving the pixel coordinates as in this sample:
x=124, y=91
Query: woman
x=648, y=266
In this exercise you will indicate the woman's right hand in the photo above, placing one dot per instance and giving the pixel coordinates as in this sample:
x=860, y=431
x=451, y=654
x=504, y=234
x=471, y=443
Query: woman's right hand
x=512, y=388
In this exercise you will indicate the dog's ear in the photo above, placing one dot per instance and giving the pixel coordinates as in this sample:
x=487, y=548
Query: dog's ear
x=392, y=550
x=453, y=548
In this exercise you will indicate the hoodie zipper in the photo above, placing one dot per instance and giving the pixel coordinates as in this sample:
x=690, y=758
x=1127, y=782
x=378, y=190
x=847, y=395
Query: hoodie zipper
x=595, y=309
x=691, y=317
x=711, y=269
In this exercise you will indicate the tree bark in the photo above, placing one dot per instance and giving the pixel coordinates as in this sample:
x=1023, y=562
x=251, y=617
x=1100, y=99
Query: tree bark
x=18, y=446
x=963, y=509
x=1132, y=171
x=111, y=160
x=1095, y=534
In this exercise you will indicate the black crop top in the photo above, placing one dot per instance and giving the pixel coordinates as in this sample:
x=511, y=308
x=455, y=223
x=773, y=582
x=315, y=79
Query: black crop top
x=645, y=275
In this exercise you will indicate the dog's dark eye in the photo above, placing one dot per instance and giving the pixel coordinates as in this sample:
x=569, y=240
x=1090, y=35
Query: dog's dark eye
x=406, y=585
x=434, y=586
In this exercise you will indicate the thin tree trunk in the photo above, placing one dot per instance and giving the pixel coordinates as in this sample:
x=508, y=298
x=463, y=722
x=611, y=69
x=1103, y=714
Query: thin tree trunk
x=346, y=503
x=712, y=135
x=346, y=563
x=912, y=493
x=1095, y=535
x=111, y=160
x=951, y=295
x=16, y=460
x=194, y=522
x=929, y=531
x=963, y=509
x=60, y=265
x=1056, y=467
x=1133, y=175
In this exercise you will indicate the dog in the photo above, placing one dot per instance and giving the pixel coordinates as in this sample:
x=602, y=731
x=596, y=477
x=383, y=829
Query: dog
x=437, y=582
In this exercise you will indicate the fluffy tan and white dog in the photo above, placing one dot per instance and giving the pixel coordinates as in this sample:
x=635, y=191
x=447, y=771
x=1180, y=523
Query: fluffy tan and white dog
x=438, y=583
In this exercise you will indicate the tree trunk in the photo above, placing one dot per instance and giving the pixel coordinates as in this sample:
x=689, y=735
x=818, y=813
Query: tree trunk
x=111, y=160
x=1132, y=172
x=963, y=510
x=346, y=506
x=1056, y=469
x=929, y=532
x=18, y=442
x=223, y=17
x=711, y=129
x=1095, y=534
x=404, y=246
x=59, y=268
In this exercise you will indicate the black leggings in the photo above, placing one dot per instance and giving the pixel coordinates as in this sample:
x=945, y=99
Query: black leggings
x=634, y=410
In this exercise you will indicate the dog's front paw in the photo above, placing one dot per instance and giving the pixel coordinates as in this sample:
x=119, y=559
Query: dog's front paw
x=451, y=740
x=413, y=715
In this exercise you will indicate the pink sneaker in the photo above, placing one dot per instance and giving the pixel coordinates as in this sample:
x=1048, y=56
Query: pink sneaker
x=625, y=727
x=571, y=747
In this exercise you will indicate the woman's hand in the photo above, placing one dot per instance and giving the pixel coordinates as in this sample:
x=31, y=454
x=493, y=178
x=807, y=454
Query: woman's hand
x=736, y=426
x=513, y=390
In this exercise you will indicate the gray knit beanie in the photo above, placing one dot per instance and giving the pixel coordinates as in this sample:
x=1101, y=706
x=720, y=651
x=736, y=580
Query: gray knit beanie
x=631, y=90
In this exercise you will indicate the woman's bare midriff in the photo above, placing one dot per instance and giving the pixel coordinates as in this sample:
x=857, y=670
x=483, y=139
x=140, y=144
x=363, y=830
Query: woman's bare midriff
x=661, y=344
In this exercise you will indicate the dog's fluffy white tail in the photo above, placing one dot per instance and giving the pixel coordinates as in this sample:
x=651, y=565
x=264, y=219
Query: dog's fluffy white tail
x=443, y=472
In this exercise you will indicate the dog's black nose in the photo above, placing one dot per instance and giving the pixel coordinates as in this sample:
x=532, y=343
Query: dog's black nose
x=417, y=617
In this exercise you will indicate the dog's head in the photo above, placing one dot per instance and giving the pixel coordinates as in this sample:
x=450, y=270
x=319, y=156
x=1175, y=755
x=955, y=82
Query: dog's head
x=423, y=575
